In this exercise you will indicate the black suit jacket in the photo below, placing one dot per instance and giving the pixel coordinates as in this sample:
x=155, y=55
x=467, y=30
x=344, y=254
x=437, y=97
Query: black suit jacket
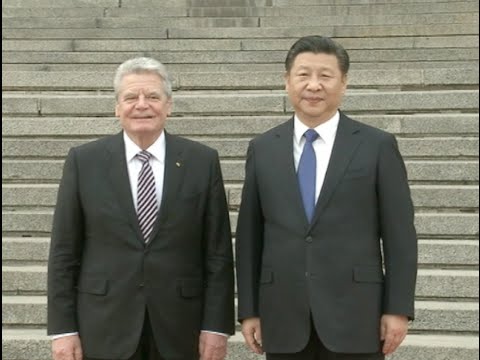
x=102, y=277
x=289, y=269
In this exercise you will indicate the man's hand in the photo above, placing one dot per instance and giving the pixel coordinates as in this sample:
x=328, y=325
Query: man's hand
x=393, y=331
x=252, y=332
x=212, y=346
x=67, y=348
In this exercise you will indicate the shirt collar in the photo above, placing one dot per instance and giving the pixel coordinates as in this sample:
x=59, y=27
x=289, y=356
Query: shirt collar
x=157, y=149
x=326, y=130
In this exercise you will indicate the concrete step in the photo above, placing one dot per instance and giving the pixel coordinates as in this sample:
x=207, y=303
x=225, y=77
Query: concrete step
x=100, y=12
x=247, y=11
x=358, y=31
x=463, y=197
x=153, y=22
x=238, y=102
x=33, y=344
x=233, y=170
x=460, y=41
x=249, y=21
x=279, y=68
x=431, y=148
x=430, y=315
x=433, y=253
x=432, y=283
x=38, y=223
x=420, y=42
x=414, y=125
x=369, y=20
x=26, y=4
x=95, y=80
x=207, y=56
x=196, y=3
x=340, y=32
x=339, y=2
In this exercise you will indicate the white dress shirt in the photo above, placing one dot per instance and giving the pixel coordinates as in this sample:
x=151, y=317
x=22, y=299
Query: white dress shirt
x=322, y=146
x=157, y=162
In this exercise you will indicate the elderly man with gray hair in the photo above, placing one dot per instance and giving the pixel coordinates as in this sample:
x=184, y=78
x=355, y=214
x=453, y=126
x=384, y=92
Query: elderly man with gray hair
x=141, y=264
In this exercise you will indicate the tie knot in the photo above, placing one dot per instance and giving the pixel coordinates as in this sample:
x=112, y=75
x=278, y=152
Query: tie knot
x=311, y=135
x=144, y=156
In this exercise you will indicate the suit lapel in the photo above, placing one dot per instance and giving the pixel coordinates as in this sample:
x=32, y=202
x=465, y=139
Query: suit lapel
x=286, y=166
x=346, y=142
x=118, y=175
x=173, y=178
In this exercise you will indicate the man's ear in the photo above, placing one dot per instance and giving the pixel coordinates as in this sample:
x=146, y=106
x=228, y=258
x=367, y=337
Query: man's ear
x=286, y=77
x=344, y=82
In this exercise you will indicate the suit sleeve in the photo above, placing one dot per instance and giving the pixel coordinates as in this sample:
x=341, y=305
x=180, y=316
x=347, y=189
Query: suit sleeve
x=249, y=242
x=219, y=308
x=65, y=252
x=397, y=231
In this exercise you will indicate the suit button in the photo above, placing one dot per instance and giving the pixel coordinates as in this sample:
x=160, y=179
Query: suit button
x=309, y=239
x=141, y=286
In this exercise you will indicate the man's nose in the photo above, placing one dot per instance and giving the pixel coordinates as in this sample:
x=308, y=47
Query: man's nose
x=314, y=83
x=141, y=101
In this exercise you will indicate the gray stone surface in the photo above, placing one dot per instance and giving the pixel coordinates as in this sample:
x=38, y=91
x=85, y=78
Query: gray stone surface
x=25, y=250
x=453, y=124
x=96, y=80
x=430, y=283
x=34, y=345
x=279, y=68
x=238, y=102
x=224, y=56
x=233, y=33
x=438, y=316
x=233, y=170
x=438, y=253
x=461, y=148
x=327, y=30
x=372, y=43
x=36, y=222
x=22, y=4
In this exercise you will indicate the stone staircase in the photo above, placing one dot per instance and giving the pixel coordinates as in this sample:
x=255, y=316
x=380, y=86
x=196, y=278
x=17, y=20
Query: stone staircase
x=414, y=73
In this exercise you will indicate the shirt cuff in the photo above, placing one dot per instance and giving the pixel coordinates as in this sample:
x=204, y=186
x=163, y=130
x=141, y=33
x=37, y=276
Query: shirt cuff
x=63, y=335
x=216, y=333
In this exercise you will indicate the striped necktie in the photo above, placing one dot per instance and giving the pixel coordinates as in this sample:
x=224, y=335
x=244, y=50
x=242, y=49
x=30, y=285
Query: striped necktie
x=147, y=206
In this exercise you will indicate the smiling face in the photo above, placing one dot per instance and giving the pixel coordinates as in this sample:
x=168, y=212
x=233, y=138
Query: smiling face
x=315, y=86
x=143, y=107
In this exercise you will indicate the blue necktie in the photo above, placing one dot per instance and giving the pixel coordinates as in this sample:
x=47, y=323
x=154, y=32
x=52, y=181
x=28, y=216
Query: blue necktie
x=307, y=174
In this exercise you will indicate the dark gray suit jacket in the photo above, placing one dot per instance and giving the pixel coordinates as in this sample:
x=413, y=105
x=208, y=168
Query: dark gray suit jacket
x=102, y=277
x=332, y=268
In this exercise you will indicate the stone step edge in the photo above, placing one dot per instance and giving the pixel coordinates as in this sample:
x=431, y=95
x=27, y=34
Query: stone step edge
x=416, y=340
x=421, y=272
x=419, y=304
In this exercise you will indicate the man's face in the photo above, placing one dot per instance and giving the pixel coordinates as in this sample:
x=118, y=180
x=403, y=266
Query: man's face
x=142, y=105
x=315, y=86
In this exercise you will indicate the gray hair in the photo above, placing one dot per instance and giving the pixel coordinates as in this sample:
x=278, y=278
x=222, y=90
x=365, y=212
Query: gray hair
x=142, y=65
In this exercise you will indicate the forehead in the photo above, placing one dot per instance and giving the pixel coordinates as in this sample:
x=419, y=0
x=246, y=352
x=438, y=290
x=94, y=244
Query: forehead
x=139, y=81
x=311, y=60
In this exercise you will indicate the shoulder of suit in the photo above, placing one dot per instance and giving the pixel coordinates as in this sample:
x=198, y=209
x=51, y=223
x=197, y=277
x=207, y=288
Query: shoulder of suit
x=273, y=132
